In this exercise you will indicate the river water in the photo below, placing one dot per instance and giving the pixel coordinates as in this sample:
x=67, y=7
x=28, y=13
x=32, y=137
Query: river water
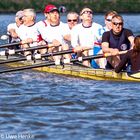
x=42, y=106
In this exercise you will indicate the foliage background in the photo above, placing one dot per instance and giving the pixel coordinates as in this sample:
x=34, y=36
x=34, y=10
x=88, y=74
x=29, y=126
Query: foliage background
x=99, y=6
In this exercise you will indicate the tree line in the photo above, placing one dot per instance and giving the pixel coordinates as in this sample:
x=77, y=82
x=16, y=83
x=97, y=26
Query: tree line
x=99, y=6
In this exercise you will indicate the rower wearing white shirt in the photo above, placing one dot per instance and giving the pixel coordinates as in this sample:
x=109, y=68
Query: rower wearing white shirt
x=72, y=20
x=13, y=28
x=83, y=34
x=28, y=32
x=55, y=31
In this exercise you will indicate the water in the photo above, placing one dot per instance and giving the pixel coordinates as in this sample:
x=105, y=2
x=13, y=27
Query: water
x=42, y=106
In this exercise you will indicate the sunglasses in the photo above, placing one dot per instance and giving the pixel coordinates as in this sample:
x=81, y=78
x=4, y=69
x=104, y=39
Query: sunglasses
x=72, y=20
x=87, y=12
x=109, y=20
x=20, y=18
x=119, y=23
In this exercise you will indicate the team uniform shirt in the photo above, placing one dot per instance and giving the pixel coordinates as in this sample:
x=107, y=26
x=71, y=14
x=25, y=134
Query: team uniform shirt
x=68, y=29
x=41, y=25
x=120, y=41
x=68, y=32
x=16, y=28
x=99, y=63
x=83, y=36
x=55, y=32
x=100, y=33
x=26, y=32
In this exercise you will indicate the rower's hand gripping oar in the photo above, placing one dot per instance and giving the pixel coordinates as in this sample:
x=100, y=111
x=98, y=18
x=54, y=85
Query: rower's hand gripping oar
x=109, y=54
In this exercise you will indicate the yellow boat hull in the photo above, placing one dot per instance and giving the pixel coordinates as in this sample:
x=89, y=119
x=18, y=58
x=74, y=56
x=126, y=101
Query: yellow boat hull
x=84, y=72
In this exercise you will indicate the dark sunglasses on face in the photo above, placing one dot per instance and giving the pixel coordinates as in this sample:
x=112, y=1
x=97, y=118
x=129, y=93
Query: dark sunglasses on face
x=87, y=12
x=109, y=20
x=70, y=20
x=119, y=23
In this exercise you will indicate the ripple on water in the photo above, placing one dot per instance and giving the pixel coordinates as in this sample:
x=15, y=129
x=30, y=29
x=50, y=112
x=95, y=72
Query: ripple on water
x=60, y=107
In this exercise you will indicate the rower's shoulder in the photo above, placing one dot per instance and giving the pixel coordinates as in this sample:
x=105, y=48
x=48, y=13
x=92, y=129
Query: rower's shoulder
x=94, y=24
x=42, y=23
x=11, y=25
x=128, y=31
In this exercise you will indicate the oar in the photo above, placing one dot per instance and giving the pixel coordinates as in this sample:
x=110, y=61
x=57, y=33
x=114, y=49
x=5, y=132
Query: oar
x=13, y=51
x=61, y=62
x=36, y=56
x=14, y=44
x=48, y=64
x=10, y=44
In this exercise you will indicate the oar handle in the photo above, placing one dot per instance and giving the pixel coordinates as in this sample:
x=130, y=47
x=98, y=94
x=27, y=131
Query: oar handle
x=109, y=54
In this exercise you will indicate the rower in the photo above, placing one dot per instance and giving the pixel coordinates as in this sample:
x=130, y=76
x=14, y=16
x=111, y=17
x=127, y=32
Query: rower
x=83, y=34
x=133, y=56
x=28, y=32
x=115, y=40
x=55, y=31
x=72, y=20
x=13, y=28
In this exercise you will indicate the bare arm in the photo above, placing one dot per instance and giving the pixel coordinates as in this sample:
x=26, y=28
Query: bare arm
x=13, y=33
x=131, y=39
x=106, y=49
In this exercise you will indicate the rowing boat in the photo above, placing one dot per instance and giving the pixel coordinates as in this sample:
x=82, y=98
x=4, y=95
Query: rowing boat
x=81, y=71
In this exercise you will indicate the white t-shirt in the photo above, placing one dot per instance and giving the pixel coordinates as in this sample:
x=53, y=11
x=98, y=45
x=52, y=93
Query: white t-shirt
x=16, y=28
x=26, y=32
x=68, y=32
x=83, y=36
x=41, y=25
x=100, y=33
x=55, y=32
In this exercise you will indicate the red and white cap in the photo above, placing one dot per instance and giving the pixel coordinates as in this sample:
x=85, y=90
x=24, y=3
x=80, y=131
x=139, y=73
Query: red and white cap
x=49, y=8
